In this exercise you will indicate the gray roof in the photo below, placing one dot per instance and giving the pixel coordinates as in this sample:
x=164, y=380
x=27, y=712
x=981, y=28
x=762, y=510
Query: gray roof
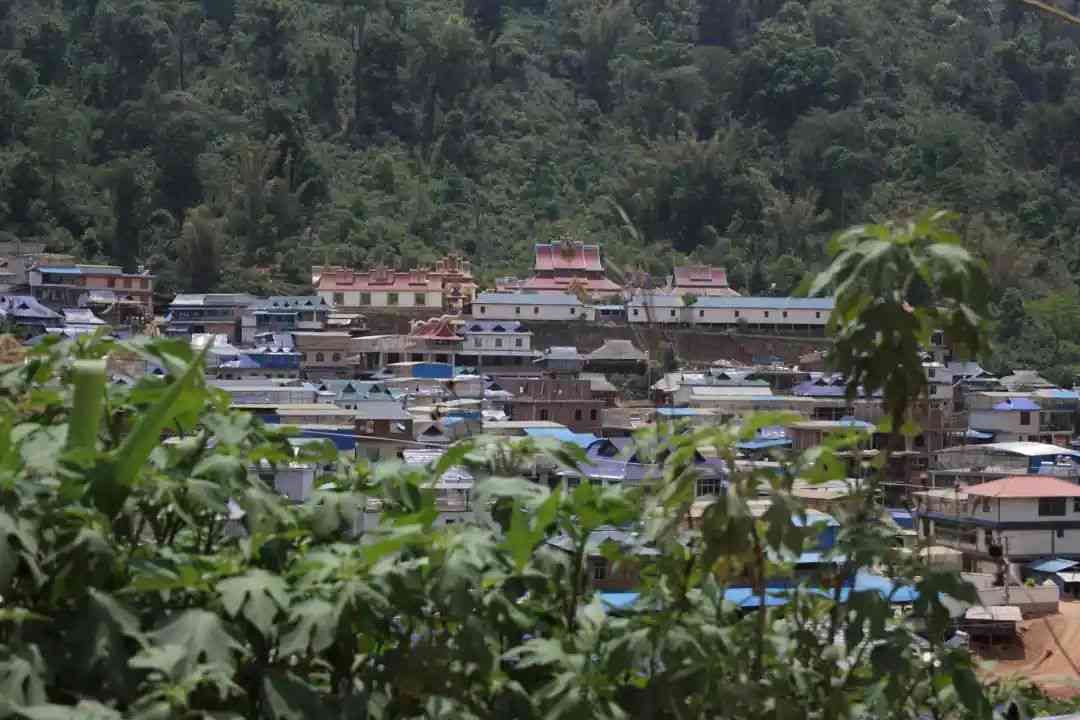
x=381, y=410
x=490, y=326
x=81, y=317
x=291, y=302
x=25, y=306
x=526, y=299
x=214, y=299
x=558, y=352
x=617, y=350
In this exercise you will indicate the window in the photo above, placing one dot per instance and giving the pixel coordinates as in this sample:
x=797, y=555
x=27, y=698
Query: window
x=817, y=315
x=986, y=504
x=339, y=298
x=592, y=414
x=536, y=311
x=1051, y=507
x=710, y=486
x=337, y=357
x=1025, y=417
x=319, y=357
x=543, y=414
x=484, y=309
x=701, y=313
x=391, y=299
x=573, y=311
x=365, y=298
x=635, y=312
x=599, y=569
x=1060, y=533
x=766, y=313
x=477, y=342
x=144, y=283
x=127, y=282
x=498, y=342
x=519, y=342
x=931, y=372
x=1076, y=505
x=784, y=314
x=517, y=311
x=736, y=313
x=419, y=299
x=577, y=414
x=672, y=313
x=112, y=282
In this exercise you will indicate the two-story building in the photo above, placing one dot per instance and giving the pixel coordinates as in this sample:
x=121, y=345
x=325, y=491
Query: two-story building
x=447, y=286
x=565, y=401
x=325, y=355
x=113, y=293
x=283, y=314
x=212, y=313
x=1018, y=518
x=500, y=345
x=531, y=307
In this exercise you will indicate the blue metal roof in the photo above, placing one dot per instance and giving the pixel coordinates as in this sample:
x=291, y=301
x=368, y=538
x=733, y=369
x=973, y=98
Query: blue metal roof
x=764, y=443
x=1059, y=394
x=583, y=440
x=903, y=518
x=1052, y=565
x=618, y=601
x=1016, y=404
x=682, y=412
x=973, y=434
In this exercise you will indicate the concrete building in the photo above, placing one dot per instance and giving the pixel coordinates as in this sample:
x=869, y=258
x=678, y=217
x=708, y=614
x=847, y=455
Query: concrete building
x=447, y=286
x=531, y=307
x=325, y=355
x=498, y=345
x=701, y=280
x=1019, y=518
x=127, y=294
x=806, y=315
x=561, y=360
x=16, y=259
x=283, y=314
x=568, y=267
x=26, y=315
x=975, y=464
x=213, y=313
x=617, y=356
x=568, y=402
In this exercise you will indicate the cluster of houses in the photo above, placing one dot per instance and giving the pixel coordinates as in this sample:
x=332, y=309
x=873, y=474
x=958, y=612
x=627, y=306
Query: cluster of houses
x=991, y=481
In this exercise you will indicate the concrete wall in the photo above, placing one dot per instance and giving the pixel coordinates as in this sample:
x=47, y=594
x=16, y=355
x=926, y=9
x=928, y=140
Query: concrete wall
x=352, y=298
x=531, y=313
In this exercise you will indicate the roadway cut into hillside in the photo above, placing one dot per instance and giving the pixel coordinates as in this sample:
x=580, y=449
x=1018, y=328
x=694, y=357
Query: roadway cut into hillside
x=1048, y=654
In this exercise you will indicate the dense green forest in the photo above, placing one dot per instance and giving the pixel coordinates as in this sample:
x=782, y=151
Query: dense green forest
x=233, y=143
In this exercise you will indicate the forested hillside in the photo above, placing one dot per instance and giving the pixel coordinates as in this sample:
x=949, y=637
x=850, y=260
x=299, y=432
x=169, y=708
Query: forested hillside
x=232, y=143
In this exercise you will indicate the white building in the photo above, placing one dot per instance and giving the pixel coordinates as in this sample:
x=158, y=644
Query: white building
x=772, y=313
x=1024, y=517
x=497, y=345
x=531, y=307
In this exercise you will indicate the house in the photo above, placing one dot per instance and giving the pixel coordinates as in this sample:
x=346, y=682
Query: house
x=617, y=356
x=602, y=388
x=325, y=355
x=283, y=314
x=561, y=361
x=26, y=314
x=435, y=340
x=1063, y=573
x=498, y=345
x=701, y=280
x=566, y=401
x=82, y=319
x=1007, y=418
x=766, y=313
x=601, y=573
x=214, y=313
x=974, y=464
x=265, y=361
x=447, y=286
x=618, y=461
x=656, y=308
x=261, y=391
x=124, y=295
x=349, y=393
x=384, y=430
x=1025, y=380
x=16, y=259
x=531, y=307
x=569, y=267
x=1019, y=518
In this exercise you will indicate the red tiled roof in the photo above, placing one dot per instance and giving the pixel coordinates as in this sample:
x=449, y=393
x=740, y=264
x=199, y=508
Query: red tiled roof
x=700, y=276
x=378, y=280
x=439, y=328
x=568, y=256
x=1025, y=486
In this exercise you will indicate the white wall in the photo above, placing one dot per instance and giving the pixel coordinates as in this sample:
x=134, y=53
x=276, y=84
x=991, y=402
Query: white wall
x=730, y=316
x=1005, y=421
x=530, y=312
x=487, y=341
x=657, y=315
x=381, y=299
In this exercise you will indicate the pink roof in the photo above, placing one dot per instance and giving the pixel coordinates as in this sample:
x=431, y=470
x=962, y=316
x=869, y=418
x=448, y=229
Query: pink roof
x=700, y=276
x=434, y=329
x=377, y=280
x=568, y=256
x=564, y=283
x=1025, y=486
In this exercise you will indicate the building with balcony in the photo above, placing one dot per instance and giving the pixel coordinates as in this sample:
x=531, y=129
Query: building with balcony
x=112, y=293
x=1018, y=518
x=211, y=313
x=283, y=314
x=497, y=345
x=569, y=267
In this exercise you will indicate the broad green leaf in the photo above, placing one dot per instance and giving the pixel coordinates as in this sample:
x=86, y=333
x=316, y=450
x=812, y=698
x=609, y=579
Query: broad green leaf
x=258, y=596
x=202, y=636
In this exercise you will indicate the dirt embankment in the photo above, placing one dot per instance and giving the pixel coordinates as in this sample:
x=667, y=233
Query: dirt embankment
x=1048, y=654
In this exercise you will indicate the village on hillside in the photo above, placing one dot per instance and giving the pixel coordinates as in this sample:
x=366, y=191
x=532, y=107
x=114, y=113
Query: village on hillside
x=397, y=365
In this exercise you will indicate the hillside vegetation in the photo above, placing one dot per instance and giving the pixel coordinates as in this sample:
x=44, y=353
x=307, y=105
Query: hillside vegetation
x=233, y=143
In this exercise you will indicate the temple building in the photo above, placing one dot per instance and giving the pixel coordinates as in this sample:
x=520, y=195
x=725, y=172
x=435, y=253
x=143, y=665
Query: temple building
x=701, y=280
x=446, y=286
x=569, y=267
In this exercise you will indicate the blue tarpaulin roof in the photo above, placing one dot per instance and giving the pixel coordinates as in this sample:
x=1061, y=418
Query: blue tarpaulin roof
x=973, y=434
x=1051, y=565
x=1016, y=404
x=618, y=601
x=682, y=412
x=764, y=443
x=583, y=440
x=903, y=519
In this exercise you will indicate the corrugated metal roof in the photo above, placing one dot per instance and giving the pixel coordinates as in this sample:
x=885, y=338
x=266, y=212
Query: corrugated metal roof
x=1025, y=486
x=1051, y=565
